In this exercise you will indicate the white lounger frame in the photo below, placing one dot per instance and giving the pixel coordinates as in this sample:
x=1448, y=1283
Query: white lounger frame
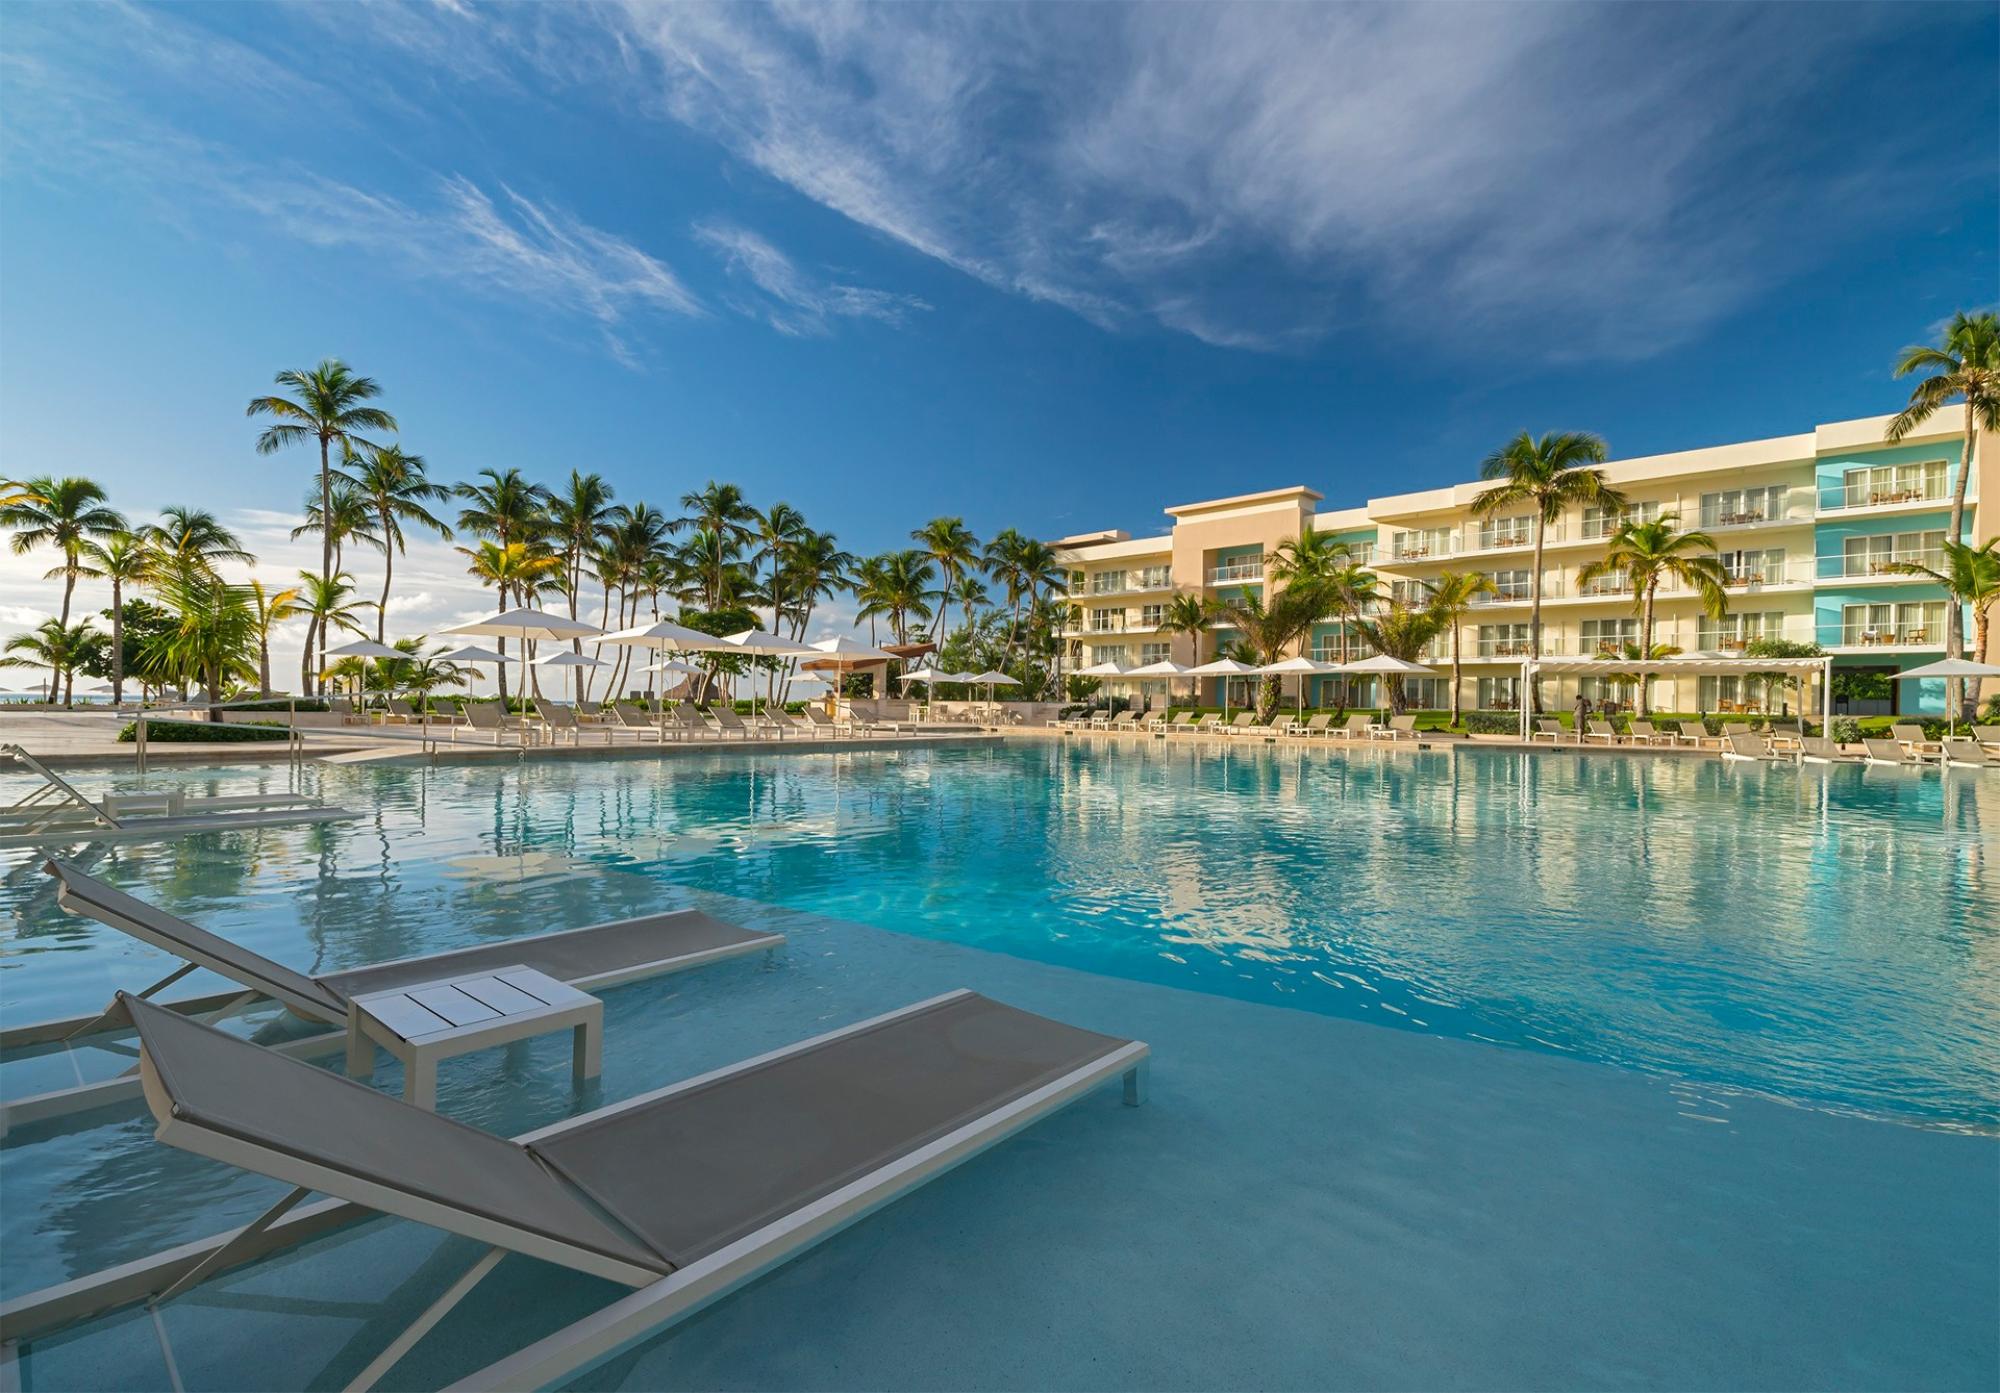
x=657, y=1301
x=106, y=1092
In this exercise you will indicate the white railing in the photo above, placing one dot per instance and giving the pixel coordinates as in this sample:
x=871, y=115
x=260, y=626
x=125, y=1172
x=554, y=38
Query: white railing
x=1231, y=572
x=1855, y=567
x=1834, y=498
x=1417, y=546
x=1519, y=594
x=1754, y=578
x=1482, y=538
x=1885, y=635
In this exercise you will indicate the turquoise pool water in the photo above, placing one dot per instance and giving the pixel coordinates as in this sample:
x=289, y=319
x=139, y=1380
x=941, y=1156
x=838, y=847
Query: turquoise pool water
x=1723, y=935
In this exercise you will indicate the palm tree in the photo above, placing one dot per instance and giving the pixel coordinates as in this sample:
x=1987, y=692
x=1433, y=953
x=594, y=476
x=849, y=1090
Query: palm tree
x=1965, y=365
x=329, y=604
x=1270, y=626
x=351, y=520
x=951, y=546
x=506, y=508
x=192, y=541
x=123, y=559
x=392, y=485
x=510, y=568
x=1971, y=577
x=215, y=636
x=328, y=403
x=1312, y=558
x=1548, y=475
x=1652, y=653
x=1451, y=599
x=970, y=592
x=271, y=608
x=1403, y=631
x=1649, y=552
x=57, y=646
x=722, y=510
x=65, y=513
x=579, y=517
x=895, y=586
x=818, y=570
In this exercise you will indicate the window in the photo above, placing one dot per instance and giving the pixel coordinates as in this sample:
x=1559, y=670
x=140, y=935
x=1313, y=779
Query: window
x=1608, y=636
x=1155, y=652
x=1733, y=632
x=1152, y=616
x=1106, y=582
x=1503, y=641
x=1891, y=483
x=1875, y=556
x=1738, y=507
x=1107, y=621
x=1748, y=693
x=1512, y=585
x=1427, y=693
x=1409, y=592
x=1507, y=532
x=1499, y=694
x=1599, y=521
x=1155, y=578
x=1765, y=567
x=1603, y=689
x=1107, y=653
x=1918, y=623
x=1428, y=541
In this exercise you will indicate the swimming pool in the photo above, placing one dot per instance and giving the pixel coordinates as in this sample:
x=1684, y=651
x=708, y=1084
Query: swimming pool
x=1822, y=937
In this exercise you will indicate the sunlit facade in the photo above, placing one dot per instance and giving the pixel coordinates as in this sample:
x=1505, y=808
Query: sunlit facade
x=1810, y=528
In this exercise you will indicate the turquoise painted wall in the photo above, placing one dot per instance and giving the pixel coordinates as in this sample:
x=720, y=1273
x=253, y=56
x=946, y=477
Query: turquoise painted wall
x=1830, y=469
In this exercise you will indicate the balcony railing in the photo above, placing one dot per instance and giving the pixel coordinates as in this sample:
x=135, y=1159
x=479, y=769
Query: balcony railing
x=1859, y=567
x=1129, y=587
x=1415, y=546
x=1753, y=578
x=1929, y=635
x=1519, y=594
x=1107, y=626
x=1834, y=498
x=1508, y=540
x=1511, y=647
x=1233, y=572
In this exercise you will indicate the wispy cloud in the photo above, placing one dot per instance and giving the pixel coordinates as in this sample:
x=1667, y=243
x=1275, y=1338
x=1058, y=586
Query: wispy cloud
x=787, y=298
x=497, y=241
x=1596, y=179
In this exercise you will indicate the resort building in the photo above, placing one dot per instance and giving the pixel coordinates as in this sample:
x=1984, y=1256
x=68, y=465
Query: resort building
x=1808, y=527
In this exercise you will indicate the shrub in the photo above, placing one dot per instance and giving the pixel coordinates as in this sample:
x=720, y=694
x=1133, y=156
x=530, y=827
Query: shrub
x=1492, y=723
x=283, y=704
x=202, y=732
x=1846, y=731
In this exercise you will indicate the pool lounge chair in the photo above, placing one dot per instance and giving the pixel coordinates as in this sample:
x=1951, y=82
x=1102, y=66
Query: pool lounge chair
x=1912, y=738
x=1547, y=728
x=1646, y=733
x=1746, y=745
x=1817, y=749
x=1358, y=726
x=1244, y=724
x=1891, y=752
x=1155, y=722
x=1211, y=724
x=1281, y=726
x=343, y=707
x=729, y=723
x=590, y=959
x=560, y=718
x=824, y=724
x=1786, y=735
x=677, y=1194
x=1124, y=720
x=1966, y=754
x=56, y=811
x=1180, y=724
x=485, y=716
x=632, y=716
x=1989, y=736
x=1399, y=728
x=1601, y=730
x=399, y=708
x=1319, y=727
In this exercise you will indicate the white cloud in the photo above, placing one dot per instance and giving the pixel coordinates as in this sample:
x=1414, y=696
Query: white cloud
x=785, y=297
x=1591, y=179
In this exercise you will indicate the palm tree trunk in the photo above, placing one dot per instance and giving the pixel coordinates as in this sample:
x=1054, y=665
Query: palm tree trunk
x=388, y=572
x=306, y=657
x=1646, y=653
x=1455, y=678
x=1957, y=690
x=69, y=589
x=117, y=642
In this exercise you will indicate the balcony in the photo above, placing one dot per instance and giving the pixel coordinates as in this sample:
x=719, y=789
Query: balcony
x=1129, y=587
x=1415, y=546
x=1751, y=579
x=1878, y=567
x=1873, y=636
x=1518, y=594
x=1236, y=572
x=1847, y=498
x=1492, y=648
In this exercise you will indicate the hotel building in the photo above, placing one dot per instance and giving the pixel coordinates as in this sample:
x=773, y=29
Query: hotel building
x=1807, y=526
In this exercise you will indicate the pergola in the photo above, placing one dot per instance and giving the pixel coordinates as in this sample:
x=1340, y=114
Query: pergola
x=1689, y=666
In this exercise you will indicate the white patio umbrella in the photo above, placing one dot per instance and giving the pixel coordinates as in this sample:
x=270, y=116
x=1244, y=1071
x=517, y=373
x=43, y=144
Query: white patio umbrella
x=993, y=677
x=525, y=624
x=1166, y=669
x=1225, y=668
x=571, y=661
x=844, y=653
x=1948, y=668
x=1382, y=665
x=469, y=655
x=662, y=636
x=1302, y=667
x=365, y=648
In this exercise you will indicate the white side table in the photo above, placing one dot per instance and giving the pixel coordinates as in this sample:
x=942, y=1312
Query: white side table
x=430, y=1021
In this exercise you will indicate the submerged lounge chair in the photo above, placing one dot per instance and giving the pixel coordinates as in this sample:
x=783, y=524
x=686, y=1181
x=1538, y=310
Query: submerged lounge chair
x=56, y=811
x=1912, y=738
x=1746, y=745
x=1989, y=736
x=678, y=1194
x=1967, y=754
x=1890, y=752
x=590, y=959
x=1817, y=749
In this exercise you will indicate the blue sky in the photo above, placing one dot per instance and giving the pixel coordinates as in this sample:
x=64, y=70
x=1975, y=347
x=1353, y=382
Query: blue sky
x=1052, y=267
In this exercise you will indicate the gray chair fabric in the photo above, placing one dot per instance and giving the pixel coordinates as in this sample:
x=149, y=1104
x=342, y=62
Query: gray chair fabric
x=697, y=1170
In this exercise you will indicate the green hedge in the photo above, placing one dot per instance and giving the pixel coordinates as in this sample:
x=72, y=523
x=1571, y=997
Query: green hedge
x=282, y=704
x=202, y=733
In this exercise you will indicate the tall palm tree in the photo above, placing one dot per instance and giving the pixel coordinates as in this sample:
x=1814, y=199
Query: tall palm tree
x=722, y=510
x=329, y=604
x=1270, y=625
x=393, y=486
x=1312, y=558
x=351, y=520
x=327, y=403
x=950, y=545
x=1965, y=365
x=1649, y=552
x=970, y=592
x=1187, y=614
x=1971, y=577
x=1547, y=475
x=895, y=586
x=65, y=513
x=1451, y=600
x=579, y=518
x=123, y=559
x=270, y=608
x=57, y=646
x=505, y=507
x=214, y=638
x=192, y=541
x=818, y=570
x=510, y=568
x=1003, y=562
x=1403, y=630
